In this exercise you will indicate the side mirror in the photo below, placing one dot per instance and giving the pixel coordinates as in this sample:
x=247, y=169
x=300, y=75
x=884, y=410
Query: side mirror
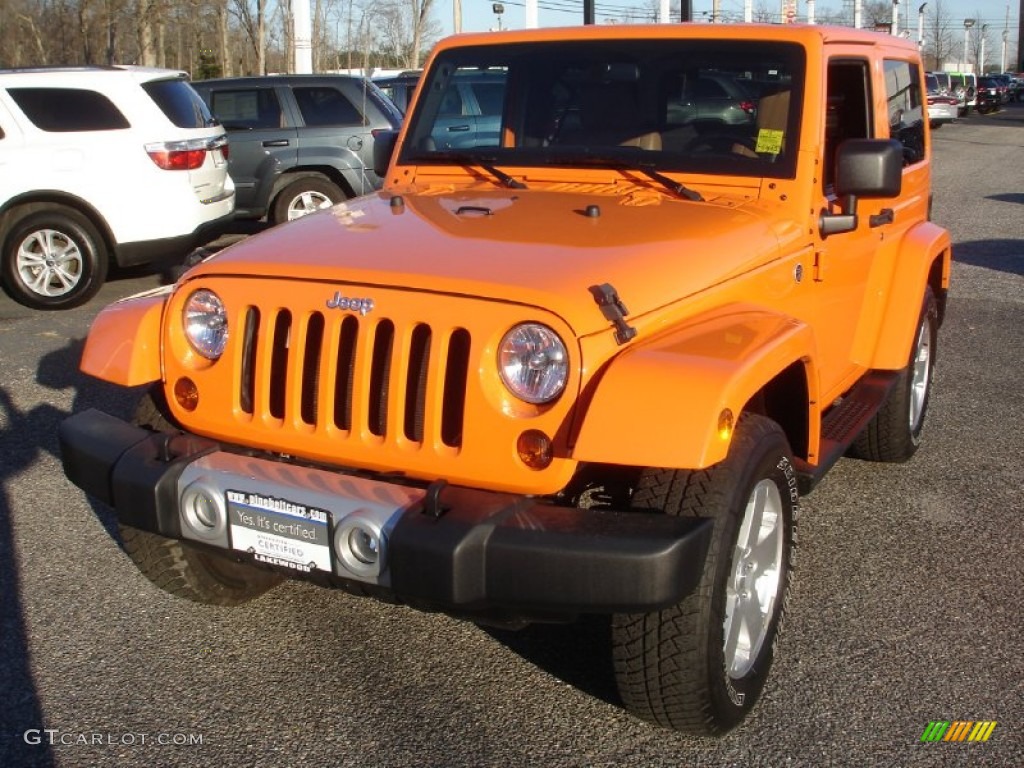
x=871, y=168
x=383, y=147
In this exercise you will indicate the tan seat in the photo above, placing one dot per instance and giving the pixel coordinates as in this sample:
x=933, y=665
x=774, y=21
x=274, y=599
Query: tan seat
x=772, y=115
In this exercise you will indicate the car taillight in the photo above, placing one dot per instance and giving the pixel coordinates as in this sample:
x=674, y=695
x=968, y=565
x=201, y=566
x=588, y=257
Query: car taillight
x=184, y=155
x=748, y=106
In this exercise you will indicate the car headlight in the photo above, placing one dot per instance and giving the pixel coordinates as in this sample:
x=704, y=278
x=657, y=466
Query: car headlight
x=533, y=363
x=206, y=323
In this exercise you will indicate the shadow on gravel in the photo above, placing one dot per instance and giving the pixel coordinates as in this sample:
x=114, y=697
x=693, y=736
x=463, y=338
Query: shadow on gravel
x=21, y=713
x=579, y=654
x=1000, y=255
x=24, y=436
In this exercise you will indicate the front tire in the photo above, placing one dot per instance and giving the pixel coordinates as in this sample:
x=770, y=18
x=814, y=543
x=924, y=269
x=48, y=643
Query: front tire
x=53, y=259
x=700, y=666
x=177, y=567
x=304, y=196
x=894, y=434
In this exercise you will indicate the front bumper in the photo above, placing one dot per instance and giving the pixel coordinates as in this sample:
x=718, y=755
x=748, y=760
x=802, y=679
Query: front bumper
x=461, y=550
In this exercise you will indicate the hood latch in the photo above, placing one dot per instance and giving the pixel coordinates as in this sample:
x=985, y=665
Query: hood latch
x=613, y=310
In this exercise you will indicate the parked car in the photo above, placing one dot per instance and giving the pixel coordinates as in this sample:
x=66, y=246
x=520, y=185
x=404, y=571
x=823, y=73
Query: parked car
x=399, y=88
x=102, y=166
x=470, y=109
x=965, y=87
x=990, y=94
x=299, y=143
x=942, y=106
x=540, y=380
x=711, y=100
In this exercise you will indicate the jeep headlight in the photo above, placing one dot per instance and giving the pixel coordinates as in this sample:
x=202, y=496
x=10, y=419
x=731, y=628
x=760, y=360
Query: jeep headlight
x=206, y=323
x=533, y=363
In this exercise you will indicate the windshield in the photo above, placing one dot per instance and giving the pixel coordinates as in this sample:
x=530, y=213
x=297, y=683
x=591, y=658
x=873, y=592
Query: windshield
x=672, y=105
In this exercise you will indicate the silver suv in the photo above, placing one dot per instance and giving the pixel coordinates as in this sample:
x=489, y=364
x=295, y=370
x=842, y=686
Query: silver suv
x=102, y=166
x=299, y=143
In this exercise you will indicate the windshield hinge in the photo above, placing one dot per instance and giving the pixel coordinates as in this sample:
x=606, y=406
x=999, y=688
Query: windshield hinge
x=613, y=310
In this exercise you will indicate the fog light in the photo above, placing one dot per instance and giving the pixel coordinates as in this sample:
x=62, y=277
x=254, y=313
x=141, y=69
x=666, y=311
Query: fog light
x=186, y=393
x=361, y=546
x=534, y=448
x=203, y=512
x=364, y=545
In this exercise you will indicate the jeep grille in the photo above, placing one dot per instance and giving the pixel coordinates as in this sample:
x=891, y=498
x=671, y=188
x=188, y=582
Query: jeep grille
x=381, y=373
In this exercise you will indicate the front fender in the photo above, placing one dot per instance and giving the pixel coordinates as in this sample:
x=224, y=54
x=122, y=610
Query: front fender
x=123, y=346
x=659, y=402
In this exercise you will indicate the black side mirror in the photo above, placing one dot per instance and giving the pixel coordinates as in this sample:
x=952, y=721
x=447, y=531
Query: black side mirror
x=871, y=168
x=383, y=147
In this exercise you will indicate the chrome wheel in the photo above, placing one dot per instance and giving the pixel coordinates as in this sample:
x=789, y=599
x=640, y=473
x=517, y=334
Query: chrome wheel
x=49, y=263
x=920, y=376
x=306, y=203
x=753, y=587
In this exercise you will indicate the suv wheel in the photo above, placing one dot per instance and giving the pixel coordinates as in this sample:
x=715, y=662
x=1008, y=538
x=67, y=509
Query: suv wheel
x=53, y=259
x=894, y=433
x=179, y=568
x=304, y=196
x=699, y=666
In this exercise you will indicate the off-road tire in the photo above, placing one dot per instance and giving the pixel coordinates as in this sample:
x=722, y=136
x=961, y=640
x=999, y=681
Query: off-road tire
x=671, y=666
x=53, y=259
x=894, y=434
x=305, y=194
x=179, y=568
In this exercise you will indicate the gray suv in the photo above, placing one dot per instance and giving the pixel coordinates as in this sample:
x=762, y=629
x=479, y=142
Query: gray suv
x=299, y=142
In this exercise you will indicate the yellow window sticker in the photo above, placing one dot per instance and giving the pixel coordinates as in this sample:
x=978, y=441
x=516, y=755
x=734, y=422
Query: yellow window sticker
x=769, y=141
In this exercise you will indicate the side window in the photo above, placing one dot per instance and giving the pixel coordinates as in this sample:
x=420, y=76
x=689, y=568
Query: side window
x=847, y=108
x=451, y=102
x=247, y=108
x=323, y=105
x=62, y=110
x=179, y=102
x=490, y=97
x=906, y=115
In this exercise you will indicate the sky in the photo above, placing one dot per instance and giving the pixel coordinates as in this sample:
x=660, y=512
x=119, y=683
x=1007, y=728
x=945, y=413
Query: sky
x=477, y=15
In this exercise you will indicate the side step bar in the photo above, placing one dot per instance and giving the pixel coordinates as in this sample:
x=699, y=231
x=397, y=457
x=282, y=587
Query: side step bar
x=844, y=423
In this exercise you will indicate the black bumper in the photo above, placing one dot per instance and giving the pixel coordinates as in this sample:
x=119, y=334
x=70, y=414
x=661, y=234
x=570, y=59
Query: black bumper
x=464, y=551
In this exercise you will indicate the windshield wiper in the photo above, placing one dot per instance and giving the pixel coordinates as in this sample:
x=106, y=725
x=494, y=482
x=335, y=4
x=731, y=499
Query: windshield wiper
x=618, y=164
x=471, y=160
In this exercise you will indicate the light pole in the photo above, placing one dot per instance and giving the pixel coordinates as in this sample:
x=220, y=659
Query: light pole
x=981, y=53
x=894, y=28
x=920, y=26
x=1002, y=58
x=968, y=23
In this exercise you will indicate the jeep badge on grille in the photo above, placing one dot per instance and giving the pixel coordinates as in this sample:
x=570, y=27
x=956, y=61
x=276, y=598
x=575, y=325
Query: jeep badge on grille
x=362, y=306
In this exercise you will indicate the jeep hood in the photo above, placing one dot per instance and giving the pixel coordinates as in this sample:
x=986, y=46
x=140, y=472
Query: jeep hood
x=534, y=247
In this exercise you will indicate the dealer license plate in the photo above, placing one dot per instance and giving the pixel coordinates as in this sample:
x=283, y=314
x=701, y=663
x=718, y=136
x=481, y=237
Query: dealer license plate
x=280, y=531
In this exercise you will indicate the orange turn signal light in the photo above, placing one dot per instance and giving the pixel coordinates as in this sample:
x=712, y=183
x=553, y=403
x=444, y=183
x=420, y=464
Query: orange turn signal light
x=186, y=393
x=534, y=449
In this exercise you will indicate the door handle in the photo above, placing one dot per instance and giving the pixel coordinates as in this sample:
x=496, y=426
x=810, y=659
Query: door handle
x=276, y=143
x=884, y=216
x=457, y=128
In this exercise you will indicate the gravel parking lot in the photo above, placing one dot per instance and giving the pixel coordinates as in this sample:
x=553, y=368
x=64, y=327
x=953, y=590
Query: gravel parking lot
x=906, y=610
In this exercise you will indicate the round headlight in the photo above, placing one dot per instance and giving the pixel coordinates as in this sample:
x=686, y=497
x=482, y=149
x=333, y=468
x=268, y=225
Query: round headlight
x=206, y=323
x=533, y=363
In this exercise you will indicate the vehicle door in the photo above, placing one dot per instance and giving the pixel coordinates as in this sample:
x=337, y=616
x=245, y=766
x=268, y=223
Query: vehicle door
x=335, y=130
x=261, y=138
x=853, y=269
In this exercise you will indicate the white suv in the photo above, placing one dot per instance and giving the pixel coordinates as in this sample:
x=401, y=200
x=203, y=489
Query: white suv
x=101, y=166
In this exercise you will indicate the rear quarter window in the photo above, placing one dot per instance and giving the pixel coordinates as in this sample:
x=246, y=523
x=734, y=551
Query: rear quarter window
x=906, y=113
x=180, y=103
x=63, y=110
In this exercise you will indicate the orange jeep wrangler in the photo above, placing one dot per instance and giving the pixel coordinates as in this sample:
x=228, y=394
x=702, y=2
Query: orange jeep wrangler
x=627, y=293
